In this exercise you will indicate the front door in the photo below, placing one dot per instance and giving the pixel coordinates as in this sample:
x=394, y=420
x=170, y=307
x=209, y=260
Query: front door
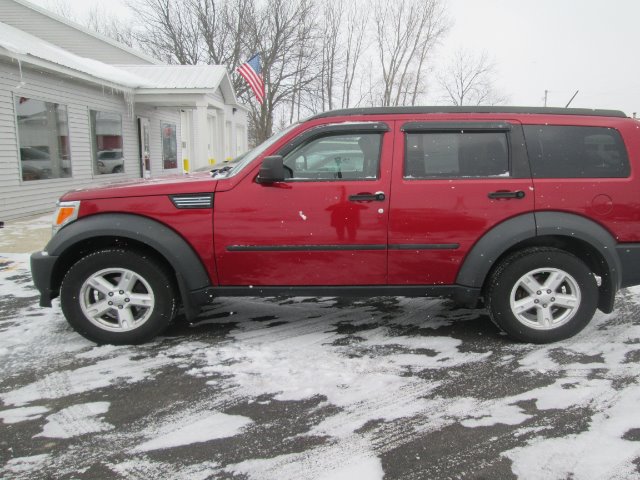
x=325, y=225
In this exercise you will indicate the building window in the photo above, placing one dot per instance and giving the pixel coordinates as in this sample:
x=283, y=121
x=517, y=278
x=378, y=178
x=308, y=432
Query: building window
x=169, y=146
x=106, y=133
x=43, y=133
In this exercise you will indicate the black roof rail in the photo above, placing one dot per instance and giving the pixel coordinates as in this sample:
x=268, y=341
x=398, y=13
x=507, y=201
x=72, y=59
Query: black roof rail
x=470, y=109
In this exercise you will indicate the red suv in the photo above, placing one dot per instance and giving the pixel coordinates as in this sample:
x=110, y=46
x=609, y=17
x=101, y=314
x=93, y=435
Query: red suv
x=533, y=211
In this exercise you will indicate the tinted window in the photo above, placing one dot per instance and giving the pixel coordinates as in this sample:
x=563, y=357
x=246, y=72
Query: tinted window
x=456, y=154
x=43, y=133
x=576, y=152
x=335, y=157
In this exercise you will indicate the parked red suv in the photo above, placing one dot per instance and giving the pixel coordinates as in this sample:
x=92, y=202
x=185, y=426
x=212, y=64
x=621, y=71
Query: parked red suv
x=534, y=211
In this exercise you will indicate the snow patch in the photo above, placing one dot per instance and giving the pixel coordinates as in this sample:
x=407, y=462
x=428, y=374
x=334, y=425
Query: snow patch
x=17, y=415
x=144, y=469
x=92, y=377
x=199, y=429
x=334, y=461
x=26, y=464
x=76, y=420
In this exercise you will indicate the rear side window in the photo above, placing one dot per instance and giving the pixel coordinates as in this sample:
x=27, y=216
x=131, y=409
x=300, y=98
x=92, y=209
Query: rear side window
x=456, y=155
x=576, y=152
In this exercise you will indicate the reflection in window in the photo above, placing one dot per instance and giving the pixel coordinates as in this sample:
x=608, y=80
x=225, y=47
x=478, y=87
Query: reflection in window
x=106, y=129
x=43, y=134
x=336, y=157
x=169, y=146
x=456, y=155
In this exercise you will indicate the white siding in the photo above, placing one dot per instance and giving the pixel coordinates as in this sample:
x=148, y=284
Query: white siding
x=18, y=198
x=65, y=36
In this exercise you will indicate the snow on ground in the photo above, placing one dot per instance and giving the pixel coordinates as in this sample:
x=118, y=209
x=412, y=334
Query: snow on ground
x=317, y=389
x=198, y=429
x=76, y=420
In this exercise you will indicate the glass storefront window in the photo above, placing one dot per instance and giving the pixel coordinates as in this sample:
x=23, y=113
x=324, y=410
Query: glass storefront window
x=169, y=146
x=43, y=133
x=106, y=134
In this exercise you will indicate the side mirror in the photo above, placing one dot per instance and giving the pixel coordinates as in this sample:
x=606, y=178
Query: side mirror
x=272, y=170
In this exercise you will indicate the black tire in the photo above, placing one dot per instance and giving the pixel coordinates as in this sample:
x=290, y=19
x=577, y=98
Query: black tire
x=556, y=313
x=140, y=289
x=117, y=169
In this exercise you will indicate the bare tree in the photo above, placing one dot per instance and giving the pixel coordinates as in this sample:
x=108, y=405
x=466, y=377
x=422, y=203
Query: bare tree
x=283, y=31
x=170, y=30
x=342, y=42
x=221, y=27
x=357, y=22
x=62, y=8
x=105, y=23
x=468, y=80
x=405, y=33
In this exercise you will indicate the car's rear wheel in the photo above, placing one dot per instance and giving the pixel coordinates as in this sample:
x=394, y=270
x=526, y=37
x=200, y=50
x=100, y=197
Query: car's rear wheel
x=118, y=296
x=542, y=295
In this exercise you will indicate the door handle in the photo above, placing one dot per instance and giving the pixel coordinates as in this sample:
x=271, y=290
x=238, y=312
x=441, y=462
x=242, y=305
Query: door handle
x=368, y=197
x=519, y=194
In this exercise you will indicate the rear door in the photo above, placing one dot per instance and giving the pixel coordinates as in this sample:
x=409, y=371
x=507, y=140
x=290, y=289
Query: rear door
x=452, y=182
x=325, y=225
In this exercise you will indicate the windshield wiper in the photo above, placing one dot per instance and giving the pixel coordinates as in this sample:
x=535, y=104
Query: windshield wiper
x=222, y=170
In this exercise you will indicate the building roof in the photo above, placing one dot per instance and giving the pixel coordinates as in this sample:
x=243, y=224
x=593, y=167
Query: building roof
x=29, y=48
x=192, y=78
x=141, y=79
x=77, y=26
x=178, y=76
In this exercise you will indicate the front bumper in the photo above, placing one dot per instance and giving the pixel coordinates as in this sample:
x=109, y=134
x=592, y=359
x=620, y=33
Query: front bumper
x=42, y=265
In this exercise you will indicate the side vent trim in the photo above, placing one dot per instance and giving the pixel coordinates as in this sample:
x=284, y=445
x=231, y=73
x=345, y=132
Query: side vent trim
x=192, y=200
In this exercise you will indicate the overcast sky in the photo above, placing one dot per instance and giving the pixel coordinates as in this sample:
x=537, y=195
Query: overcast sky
x=537, y=45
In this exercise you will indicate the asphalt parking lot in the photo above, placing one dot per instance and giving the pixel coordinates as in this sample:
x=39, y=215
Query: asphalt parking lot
x=316, y=388
x=312, y=388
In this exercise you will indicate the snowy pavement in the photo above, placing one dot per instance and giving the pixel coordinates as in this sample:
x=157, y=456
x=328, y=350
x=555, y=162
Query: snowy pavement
x=316, y=388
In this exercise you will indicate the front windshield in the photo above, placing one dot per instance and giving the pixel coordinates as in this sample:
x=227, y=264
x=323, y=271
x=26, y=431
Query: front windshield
x=251, y=155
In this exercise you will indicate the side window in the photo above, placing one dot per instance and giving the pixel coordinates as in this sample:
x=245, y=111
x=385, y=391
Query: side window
x=576, y=152
x=43, y=132
x=336, y=157
x=456, y=155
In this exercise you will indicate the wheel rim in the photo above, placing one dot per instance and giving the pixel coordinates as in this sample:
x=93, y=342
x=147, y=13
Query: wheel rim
x=117, y=299
x=545, y=299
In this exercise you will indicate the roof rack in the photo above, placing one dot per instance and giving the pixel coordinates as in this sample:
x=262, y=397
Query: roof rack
x=449, y=109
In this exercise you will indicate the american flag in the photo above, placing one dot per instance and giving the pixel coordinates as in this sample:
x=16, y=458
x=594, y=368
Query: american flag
x=251, y=72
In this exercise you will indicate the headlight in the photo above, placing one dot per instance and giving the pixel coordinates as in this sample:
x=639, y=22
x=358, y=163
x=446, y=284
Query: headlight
x=66, y=212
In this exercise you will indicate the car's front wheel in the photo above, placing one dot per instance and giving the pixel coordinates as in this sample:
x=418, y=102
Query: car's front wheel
x=118, y=296
x=542, y=295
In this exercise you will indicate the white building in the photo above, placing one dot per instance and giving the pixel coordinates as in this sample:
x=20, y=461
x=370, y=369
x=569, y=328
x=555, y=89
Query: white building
x=77, y=108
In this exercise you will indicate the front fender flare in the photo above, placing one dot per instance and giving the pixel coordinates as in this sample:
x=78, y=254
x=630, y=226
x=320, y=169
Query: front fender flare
x=190, y=272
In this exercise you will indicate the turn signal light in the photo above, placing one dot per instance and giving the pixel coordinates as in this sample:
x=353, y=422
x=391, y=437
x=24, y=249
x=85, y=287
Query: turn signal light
x=66, y=213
